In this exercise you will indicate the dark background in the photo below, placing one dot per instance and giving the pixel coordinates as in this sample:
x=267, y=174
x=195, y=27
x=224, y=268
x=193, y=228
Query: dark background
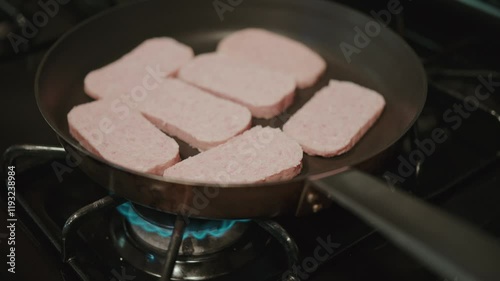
x=463, y=36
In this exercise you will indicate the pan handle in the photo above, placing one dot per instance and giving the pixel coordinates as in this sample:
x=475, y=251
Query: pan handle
x=447, y=245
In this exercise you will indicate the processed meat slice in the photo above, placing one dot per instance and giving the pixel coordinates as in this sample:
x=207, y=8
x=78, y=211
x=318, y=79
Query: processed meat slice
x=258, y=155
x=275, y=52
x=335, y=118
x=265, y=93
x=141, y=69
x=126, y=139
x=193, y=115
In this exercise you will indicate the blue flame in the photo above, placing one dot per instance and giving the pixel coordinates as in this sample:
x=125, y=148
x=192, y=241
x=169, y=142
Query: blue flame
x=215, y=228
x=150, y=258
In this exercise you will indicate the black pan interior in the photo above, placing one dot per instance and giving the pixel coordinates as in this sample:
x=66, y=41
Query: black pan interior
x=386, y=64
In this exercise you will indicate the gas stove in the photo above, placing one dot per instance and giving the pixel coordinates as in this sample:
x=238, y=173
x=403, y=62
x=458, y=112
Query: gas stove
x=69, y=228
x=98, y=236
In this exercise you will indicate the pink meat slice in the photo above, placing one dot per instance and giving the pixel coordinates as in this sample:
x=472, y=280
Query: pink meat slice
x=193, y=115
x=265, y=93
x=142, y=68
x=258, y=155
x=335, y=118
x=275, y=52
x=126, y=138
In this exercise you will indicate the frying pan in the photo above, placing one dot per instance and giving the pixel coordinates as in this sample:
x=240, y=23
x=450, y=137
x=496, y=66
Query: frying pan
x=386, y=64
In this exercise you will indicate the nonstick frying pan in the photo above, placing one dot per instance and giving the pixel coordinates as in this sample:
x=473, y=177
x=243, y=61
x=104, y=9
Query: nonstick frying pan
x=385, y=64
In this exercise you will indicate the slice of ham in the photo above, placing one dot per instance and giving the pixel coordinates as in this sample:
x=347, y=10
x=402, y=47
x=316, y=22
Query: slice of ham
x=125, y=138
x=275, y=52
x=265, y=93
x=258, y=155
x=193, y=115
x=140, y=69
x=335, y=118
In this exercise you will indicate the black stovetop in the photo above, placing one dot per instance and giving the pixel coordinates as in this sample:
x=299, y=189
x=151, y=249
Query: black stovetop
x=460, y=176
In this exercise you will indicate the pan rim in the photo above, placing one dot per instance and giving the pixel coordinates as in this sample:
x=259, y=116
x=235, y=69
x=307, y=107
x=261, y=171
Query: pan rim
x=299, y=178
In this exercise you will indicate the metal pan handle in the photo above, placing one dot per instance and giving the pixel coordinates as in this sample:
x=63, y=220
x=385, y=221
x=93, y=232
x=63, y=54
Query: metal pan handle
x=43, y=152
x=447, y=245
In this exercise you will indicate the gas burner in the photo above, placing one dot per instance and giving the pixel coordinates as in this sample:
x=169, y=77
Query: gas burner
x=210, y=248
x=154, y=230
